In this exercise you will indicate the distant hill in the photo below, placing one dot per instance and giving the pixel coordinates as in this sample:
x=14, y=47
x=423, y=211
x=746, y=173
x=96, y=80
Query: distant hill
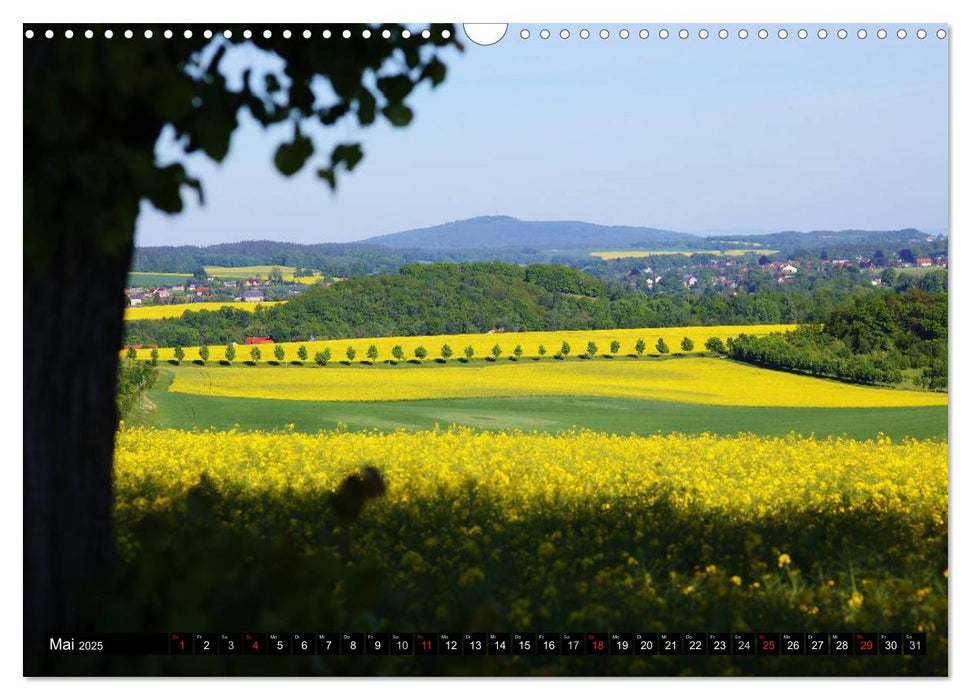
x=508, y=232
x=500, y=238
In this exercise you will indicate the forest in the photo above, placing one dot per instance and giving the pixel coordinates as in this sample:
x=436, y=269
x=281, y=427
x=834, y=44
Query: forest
x=872, y=340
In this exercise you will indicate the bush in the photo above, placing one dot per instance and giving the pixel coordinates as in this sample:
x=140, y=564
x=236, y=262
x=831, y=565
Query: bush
x=714, y=344
x=302, y=353
x=662, y=347
x=687, y=344
x=322, y=358
x=351, y=353
x=640, y=346
x=565, y=349
x=279, y=353
x=591, y=348
x=179, y=354
x=496, y=351
x=446, y=352
x=204, y=354
x=372, y=352
x=469, y=352
x=614, y=347
x=230, y=353
x=420, y=352
x=398, y=353
x=133, y=379
x=256, y=353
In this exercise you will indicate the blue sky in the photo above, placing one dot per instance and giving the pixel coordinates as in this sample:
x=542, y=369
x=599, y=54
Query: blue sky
x=691, y=135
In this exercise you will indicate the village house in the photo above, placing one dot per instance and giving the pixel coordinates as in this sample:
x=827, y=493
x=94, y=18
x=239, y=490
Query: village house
x=923, y=262
x=253, y=295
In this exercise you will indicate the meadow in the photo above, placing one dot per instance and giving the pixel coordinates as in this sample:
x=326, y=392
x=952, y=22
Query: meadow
x=157, y=279
x=510, y=530
x=482, y=343
x=139, y=313
x=547, y=414
x=732, y=252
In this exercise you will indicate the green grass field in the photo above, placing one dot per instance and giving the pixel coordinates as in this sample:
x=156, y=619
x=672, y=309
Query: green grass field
x=547, y=414
x=156, y=279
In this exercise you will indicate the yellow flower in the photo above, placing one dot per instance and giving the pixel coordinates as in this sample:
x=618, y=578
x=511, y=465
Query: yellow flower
x=470, y=577
x=856, y=600
x=784, y=560
x=737, y=580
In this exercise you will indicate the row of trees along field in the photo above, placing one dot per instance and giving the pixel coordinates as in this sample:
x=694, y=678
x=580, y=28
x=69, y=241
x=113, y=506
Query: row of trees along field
x=447, y=298
x=872, y=340
x=398, y=354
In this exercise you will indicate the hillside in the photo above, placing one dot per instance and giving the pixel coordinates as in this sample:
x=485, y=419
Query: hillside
x=474, y=298
x=508, y=232
x=814, y=239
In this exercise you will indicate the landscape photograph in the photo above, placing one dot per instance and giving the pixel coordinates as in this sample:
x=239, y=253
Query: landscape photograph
x=592, y=350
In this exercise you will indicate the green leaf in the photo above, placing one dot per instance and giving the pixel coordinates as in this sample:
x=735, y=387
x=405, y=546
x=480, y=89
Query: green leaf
x=366, y=107
x=333, y=114
x=434, y=71
x=290, y=157
x=398, y=114
x=395, y=88
x=327, y=174
x=348, y=153
x=196, y=185
x=164, y=188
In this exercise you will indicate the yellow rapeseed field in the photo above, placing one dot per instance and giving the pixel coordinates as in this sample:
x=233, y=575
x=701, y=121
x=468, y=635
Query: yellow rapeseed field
x=735, y=252
x=139, y=313
x=514, y=530
x=260, y=272
x=690, y=379
x=739, y=478
x=483, y=343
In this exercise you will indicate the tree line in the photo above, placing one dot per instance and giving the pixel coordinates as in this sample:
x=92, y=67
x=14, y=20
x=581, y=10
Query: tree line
x=140, y=379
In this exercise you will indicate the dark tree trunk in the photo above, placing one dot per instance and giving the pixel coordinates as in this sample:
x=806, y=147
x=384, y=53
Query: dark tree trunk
x=73, y=311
